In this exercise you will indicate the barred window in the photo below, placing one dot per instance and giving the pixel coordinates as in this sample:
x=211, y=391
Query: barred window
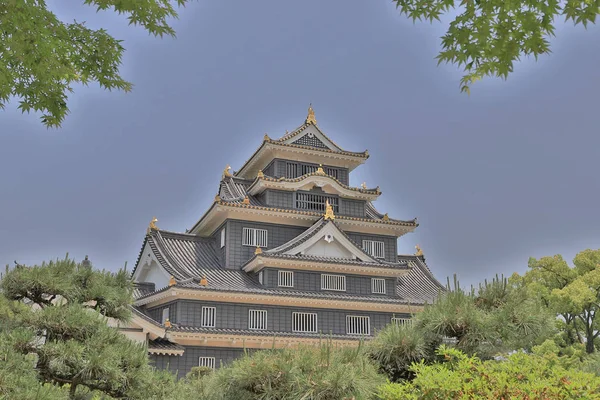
x=208, y=317
x=222, y=237
x=315, y=202
x=291, y=170
x=401, y=321
x=257, y=319
x=165, y=315
x=333, y=282
x=254, y=237
x=332, y=172
x=378, y=285
x=356, y=325
x=308, y=169
x=374, y=247
x=206, y=362
x=304, y=322
x=285, y=279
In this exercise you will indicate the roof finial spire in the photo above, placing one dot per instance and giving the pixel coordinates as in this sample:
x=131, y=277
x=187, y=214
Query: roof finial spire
x=419, y=251
x=310, y=118
x=328, y=211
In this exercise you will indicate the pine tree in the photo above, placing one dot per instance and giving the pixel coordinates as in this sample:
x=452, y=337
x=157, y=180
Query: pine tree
x=55, y=331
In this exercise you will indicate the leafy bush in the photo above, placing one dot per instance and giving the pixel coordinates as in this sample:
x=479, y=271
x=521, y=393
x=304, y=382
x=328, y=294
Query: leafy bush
x=518, y=376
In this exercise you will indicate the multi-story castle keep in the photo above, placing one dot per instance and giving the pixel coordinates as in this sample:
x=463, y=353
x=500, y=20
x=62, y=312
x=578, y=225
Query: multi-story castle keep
x=287, y=253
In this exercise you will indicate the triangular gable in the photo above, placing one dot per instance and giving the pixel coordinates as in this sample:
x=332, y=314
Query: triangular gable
x=312, y=136
x=327, y=240
x=149, y=268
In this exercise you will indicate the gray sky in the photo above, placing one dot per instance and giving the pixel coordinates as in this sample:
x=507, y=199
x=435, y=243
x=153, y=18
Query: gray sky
x=507, y=173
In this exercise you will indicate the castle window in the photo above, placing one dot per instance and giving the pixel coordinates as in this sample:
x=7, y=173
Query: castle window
x=165, y=315
x=208, y=362
x=333, y=282
x=285, y=279
x=254, y=237
x=260, y=277
x=356, y=325
x=332, y=172
x=304, y=322
x=308, y=169
x=374, y=248
x=257, y=319
x=208, y=317
x=315, y=202
x=222, y=237
x=401, y=321
x=378, y=285
x=291, y=170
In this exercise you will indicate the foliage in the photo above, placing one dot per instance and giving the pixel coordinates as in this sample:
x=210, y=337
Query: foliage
x=573, y=293
x=489, y=36
x=57, y=333
x=317, y=373
x=500, y=316
x=41, y=57
x=518, y=376
x=396, y=347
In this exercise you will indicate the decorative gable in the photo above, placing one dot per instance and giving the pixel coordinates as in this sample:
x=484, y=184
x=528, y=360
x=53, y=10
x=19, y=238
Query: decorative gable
x=311, y=140
x=310, y=135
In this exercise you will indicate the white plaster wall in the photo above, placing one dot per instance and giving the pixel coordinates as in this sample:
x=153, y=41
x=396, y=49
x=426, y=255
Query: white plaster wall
x=324, y=249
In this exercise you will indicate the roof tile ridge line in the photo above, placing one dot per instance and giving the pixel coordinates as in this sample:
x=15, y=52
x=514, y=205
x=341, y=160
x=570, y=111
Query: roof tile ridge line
x=307, y=234
x=144, y=316
x=139, y=257
x=423, y=267
x=314, y=213
x=162, y=243
x=370, y=203
x=310, y=174
x=293, y=133
x=355, y=244
x=343, y=152
x=192, y=235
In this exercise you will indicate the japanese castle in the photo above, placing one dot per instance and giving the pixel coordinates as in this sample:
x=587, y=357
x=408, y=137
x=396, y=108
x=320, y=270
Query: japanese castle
x=287, y=253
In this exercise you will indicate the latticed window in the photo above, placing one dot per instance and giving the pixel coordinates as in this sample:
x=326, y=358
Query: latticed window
x=208, y=362
x=358, y=325
x=208, y=317
x=310, y=140
x=285, y=278
x=374, y=248
x=257, y=319
x=378, y=285
x=333, y=282
x=304, y=322
x=315, y=202
x=332, y=172
x=254, y=237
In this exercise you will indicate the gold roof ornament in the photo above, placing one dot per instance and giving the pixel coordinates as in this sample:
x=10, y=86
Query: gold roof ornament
x=152, y=226
x=364, y=185
x=320, y=170
x=246, y=200
x=203, y=281
x=377, y=190
x=367, y=153
x=419, y=251
x=168, y=324
x=226, y=173
x=257, y=251
x=266, y=138
x=386, y=217
x=310, y=118
x=172, y=281
x=260, y=174
x=329, y=215
x=217, y=198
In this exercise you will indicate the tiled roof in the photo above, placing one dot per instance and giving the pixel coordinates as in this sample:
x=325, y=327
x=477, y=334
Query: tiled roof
x=251, y=332
x=189, y=258
x=163, y=344
x=314, y=230
x=419, y=284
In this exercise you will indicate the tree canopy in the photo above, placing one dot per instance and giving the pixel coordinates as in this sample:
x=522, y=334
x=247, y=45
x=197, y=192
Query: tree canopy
x=489, y=36
x=42, y=57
